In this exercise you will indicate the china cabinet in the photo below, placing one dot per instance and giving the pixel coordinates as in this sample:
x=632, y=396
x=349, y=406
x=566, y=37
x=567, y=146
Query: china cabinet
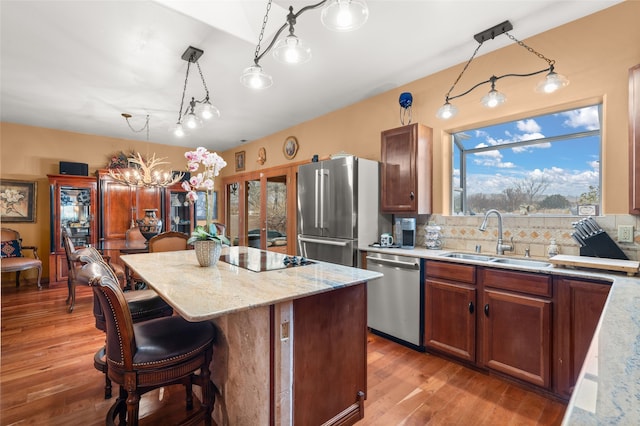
x=405, y=173
x=73, y=207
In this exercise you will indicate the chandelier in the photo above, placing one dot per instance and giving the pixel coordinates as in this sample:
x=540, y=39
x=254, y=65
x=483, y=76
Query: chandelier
x=337, y=15
x=197, y=111
x=552, y=81
x=144, y=173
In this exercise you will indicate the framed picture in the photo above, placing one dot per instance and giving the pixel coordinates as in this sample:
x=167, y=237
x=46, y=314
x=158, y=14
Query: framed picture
x=239, y=161
x=290, y=147
x=201, y=210
x=17, y=201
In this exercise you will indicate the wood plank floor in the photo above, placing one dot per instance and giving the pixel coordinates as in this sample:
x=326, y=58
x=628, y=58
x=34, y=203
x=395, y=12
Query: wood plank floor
x=47, y=376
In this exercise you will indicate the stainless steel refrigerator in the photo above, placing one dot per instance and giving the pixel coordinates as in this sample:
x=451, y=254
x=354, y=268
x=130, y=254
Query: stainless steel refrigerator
x=338, y=208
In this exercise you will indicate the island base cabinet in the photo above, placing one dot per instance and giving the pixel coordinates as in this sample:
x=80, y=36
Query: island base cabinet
x=450, y=319
x=293, y=363
x=517, y=336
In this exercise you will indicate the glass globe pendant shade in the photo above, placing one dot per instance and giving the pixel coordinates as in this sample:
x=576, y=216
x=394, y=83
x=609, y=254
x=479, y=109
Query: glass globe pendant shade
x=178, y=130
x=192, y=121
x=493, y=99
x=254, y=78
x=344, y=15
x=291, y=50
x=208, y=111
x=552, y=82
x=447, y=111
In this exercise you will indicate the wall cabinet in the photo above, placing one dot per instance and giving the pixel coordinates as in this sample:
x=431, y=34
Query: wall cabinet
x=577, y=312
x=450, y=305
x=73, y=201
x=634, y=140
x=405, y=174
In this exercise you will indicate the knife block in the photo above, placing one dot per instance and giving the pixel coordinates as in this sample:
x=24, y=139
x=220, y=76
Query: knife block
x=601, y=245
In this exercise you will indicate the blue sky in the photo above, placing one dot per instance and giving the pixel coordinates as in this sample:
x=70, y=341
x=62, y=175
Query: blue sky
x=569, y=166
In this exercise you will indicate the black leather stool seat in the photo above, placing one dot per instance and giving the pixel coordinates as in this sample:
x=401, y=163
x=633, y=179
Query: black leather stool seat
x=169, y=340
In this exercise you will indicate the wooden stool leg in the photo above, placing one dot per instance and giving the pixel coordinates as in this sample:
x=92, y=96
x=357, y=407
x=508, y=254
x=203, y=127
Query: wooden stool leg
x=17, y=279
x=133, y=402
x=99, y=362
x=72, y=290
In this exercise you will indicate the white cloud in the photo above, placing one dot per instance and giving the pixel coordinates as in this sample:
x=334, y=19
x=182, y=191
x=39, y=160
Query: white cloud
x=528, y=126
x=583, y=117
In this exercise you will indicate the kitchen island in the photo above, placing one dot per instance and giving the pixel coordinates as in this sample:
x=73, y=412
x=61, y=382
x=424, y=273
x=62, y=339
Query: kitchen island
x=291, y=342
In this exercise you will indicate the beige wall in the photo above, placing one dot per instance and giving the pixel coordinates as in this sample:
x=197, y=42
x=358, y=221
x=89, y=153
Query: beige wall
x=595, y=53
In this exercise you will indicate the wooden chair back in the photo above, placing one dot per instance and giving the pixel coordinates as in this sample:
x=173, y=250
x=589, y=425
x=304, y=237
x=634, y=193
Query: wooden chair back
x=168, y=241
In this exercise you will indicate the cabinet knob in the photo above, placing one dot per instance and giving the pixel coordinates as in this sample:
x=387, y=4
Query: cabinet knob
x=471, y=307
x=486, y=309
x=412, y=195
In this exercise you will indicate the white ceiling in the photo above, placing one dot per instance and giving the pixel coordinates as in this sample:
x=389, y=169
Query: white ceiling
x=77, y=65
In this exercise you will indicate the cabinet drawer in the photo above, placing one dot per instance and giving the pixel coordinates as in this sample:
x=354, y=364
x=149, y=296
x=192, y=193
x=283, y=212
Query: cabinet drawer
x=451, y=271
x=523, y=282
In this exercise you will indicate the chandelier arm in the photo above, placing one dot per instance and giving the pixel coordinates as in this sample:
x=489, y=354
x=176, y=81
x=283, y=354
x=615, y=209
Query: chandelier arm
x=291, y=18
x=273, y=41
x=493, y=79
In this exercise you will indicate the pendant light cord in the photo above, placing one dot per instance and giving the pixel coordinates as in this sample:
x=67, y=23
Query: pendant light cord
x=256, y=58
x=463, y=71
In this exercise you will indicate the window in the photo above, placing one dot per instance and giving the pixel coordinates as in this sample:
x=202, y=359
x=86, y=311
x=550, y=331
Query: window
x=549, y=164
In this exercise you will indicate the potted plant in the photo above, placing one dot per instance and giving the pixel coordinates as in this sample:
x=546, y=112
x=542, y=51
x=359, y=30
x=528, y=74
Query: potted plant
x=204, y=167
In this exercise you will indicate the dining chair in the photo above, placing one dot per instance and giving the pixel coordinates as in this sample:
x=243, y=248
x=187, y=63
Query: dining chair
x=143, y=305
x=168, y=241
x=13, y=258
x=72, y=255
x=148, y=355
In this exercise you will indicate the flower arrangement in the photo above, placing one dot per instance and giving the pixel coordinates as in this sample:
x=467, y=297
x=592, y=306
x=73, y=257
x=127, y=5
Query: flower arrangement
x=203, y=180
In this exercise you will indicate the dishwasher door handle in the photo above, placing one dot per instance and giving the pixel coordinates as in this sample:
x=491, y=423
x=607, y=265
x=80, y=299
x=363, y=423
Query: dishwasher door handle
x=394, y=263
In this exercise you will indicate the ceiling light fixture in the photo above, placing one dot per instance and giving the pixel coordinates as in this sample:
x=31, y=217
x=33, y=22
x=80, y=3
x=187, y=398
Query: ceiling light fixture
x=337, y=15
x=552, y=82
x=197, y=110
x=144, y=173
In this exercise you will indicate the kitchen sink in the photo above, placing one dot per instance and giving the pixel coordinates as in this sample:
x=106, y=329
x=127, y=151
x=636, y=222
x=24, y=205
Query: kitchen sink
x=520, y=262
x=468, y=256
x=529, y=263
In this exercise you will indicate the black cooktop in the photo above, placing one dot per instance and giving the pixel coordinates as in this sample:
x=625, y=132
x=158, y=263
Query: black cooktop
x=260, y=261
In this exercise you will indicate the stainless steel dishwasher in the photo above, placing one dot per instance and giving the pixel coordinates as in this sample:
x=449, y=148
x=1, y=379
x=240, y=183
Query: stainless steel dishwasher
x=395, y=302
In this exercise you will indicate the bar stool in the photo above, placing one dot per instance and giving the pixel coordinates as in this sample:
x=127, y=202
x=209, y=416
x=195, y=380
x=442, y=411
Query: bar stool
x=151, y=354
x=143, y=305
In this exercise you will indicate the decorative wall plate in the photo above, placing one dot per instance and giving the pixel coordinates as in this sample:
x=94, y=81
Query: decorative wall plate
x=262, y=156
x=290, y=147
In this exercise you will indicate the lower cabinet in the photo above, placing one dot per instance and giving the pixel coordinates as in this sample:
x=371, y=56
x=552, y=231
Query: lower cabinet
x=516, y=324
x=450, y=317
x=577, y=312
x=534, y=327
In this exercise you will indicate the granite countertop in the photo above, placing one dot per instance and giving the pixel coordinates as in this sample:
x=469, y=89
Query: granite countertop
x=200, y=294
x=608, y=389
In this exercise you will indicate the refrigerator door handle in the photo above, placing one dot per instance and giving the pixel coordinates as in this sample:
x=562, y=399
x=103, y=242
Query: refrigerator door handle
x=326, y=242
x=316, y=198
x=323, y=195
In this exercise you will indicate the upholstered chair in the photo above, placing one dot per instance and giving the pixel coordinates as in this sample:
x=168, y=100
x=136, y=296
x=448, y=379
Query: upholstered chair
x=151, y=354
x=143, y=305
x=168, y=241
x=13, y=258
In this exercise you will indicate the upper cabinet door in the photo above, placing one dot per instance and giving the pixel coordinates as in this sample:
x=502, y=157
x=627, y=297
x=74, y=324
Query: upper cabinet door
x=406, y=170
x=634, y=140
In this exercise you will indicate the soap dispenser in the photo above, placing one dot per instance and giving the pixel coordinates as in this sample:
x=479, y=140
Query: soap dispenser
x=552, y=250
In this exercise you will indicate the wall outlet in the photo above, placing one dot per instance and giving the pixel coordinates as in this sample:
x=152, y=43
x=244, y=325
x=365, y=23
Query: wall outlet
x=625, y=233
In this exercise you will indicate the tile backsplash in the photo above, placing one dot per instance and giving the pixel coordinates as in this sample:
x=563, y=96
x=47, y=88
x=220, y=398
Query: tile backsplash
x=535, y=233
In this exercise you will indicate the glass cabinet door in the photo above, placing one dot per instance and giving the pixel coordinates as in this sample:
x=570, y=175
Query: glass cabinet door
x=75, y=214
x=180, y=213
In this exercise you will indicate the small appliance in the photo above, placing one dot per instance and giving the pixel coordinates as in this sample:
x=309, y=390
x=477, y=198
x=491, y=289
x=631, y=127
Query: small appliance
x=408, y=226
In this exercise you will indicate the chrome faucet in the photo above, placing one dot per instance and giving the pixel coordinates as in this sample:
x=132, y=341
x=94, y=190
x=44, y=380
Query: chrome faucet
x=500, y=247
